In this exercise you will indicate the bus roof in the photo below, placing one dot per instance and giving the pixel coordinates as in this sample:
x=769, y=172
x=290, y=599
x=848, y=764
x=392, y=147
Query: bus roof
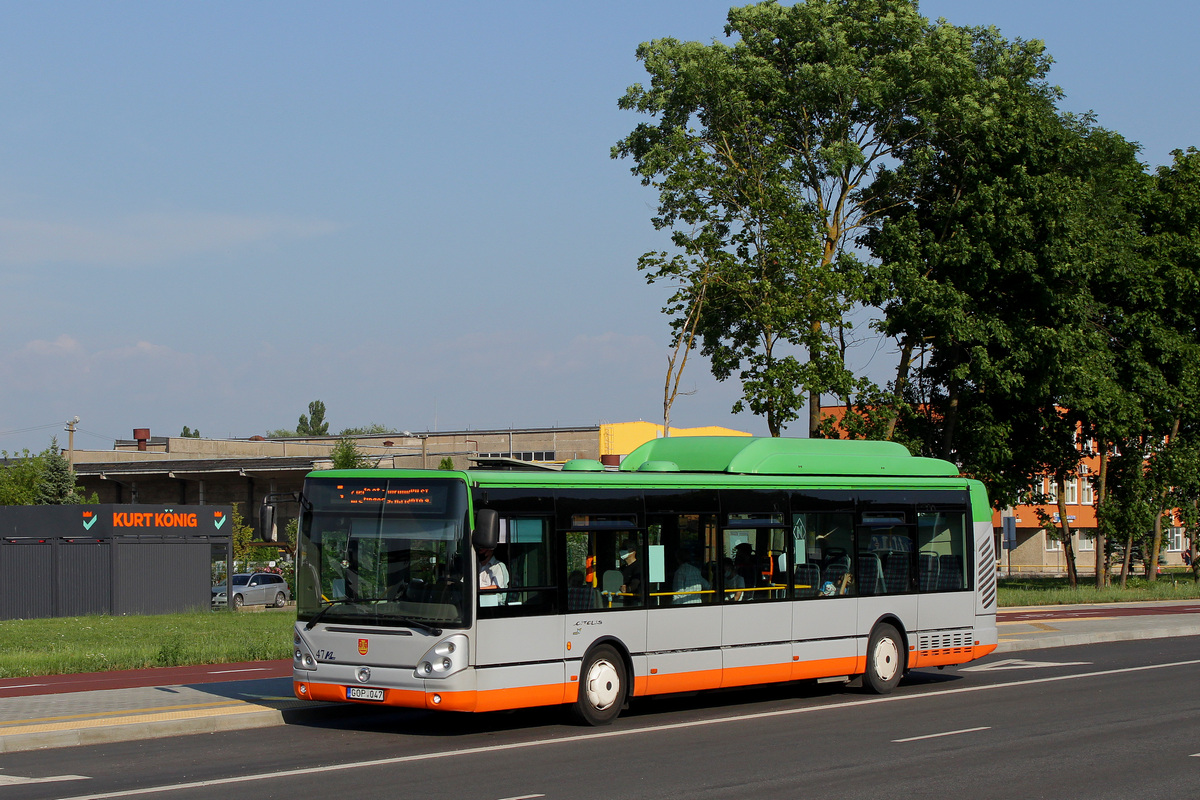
x=739, y=455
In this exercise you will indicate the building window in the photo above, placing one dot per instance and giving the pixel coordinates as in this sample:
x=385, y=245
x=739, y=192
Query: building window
x=524, y=455
x=1175, y=540
x=1087, y=542
x=1053, y=544
x=1073, y=492
x=1051, y=491
x=1087, y=493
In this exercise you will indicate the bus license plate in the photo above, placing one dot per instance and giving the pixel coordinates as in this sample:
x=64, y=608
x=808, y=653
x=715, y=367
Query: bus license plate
x=360, y=693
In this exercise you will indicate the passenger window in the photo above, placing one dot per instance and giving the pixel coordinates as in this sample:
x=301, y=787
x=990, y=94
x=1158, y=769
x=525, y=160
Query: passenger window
x=943, y=558
x=517, y=578
x=756, y=570
x=682, y=559
x=885, y=553
x=822, y=545
x=606, y=568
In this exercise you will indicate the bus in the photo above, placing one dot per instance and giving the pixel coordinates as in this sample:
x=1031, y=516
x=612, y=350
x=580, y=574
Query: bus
x=701, y=563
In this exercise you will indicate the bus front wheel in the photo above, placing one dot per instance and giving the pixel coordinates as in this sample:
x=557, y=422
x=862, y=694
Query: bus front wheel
x=885, y=659
x=602, y=687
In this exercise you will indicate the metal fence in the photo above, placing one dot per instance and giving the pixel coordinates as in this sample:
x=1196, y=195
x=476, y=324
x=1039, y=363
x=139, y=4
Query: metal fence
x=60, y=561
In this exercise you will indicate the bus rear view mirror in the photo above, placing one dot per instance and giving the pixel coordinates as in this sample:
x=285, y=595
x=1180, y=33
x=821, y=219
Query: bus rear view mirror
x=266, y=523
x=487, y=529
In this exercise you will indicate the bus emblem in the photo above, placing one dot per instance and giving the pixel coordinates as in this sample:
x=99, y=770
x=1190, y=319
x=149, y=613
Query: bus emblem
x=362, y=647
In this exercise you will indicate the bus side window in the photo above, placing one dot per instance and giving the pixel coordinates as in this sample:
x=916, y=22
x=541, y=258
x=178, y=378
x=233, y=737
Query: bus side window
x=526, y=553
x=822, y=545
x=945, y=555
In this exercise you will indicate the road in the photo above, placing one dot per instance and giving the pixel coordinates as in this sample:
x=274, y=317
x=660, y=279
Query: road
x=1111, y=720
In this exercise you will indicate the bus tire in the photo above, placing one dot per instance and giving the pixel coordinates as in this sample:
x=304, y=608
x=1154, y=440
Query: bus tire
x=885, y=659
x=602, y=687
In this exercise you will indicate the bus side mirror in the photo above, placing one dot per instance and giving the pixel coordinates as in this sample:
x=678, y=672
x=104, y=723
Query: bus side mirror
x=487, y=529
x=266, y=523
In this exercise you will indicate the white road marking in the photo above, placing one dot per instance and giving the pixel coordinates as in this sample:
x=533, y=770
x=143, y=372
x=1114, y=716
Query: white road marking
x=586, y=737
x=17, y=780
x=1019, y=663
x=939, y=735
x=227, y=671
x=524, y=797
x=24, y=686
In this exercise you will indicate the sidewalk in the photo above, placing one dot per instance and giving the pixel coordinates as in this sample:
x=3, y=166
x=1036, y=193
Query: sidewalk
x=47, y=720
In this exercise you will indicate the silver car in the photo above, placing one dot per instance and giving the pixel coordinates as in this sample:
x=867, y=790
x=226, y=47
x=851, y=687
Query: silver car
x=254, y=589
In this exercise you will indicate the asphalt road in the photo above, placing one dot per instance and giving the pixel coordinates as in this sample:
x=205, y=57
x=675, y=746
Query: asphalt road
x=1111, y=720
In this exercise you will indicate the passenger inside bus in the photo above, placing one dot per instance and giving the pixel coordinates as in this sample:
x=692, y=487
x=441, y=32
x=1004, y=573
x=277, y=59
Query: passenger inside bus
x=631, y=574
x=734, y=584
x=493, y=576
x=688, y=585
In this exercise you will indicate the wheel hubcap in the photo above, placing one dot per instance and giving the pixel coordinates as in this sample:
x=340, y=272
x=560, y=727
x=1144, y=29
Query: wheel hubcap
x=602, y=685
x=887, y=659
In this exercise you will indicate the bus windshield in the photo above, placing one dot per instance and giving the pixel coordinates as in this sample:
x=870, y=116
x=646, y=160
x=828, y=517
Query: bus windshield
x=383, y=552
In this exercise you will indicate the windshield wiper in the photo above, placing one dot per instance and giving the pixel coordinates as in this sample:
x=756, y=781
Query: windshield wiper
x=341, y=601
x=412, y=623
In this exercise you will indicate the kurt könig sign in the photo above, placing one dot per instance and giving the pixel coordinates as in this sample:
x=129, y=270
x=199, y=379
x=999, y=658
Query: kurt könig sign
x=105, y=521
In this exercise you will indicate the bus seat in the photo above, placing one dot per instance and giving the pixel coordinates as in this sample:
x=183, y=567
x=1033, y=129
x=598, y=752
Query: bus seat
x=808, y=580
x=895, y=572
x=870, y=574
x=610, y=583
x=929, y=572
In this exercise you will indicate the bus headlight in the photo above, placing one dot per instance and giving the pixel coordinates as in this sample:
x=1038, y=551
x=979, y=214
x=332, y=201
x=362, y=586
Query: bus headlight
x=443, y=659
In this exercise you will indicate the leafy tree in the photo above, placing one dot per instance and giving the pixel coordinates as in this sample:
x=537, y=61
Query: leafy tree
x=346, y=455
x=374, y=429
x=446, y=463
x=765, y=155
x=188, y=433
x=243, y=535
x=314, y=423
x=20, y=476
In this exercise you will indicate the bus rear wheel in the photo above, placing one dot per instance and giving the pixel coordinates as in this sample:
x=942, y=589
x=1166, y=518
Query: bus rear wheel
x=885, y=659
x=602, y=687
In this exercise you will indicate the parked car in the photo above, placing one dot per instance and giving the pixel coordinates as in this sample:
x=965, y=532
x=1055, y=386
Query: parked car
x=254, y=589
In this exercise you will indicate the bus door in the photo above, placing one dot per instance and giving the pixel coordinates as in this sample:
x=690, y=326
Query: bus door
x=825, y=611
x=518, y=629
x=756, y=619
x=683, y=624
x=886, y=567
x=944, y=568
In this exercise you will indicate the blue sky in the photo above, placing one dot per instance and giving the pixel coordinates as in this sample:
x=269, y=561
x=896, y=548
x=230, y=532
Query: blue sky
x=212, y=213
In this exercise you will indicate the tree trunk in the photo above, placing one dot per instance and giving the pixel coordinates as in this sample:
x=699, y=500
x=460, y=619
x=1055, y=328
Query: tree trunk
x=1153, y=570
x=951, y=419
x=814, y=414
x=1101, y=545
x=1064, y=525
x=906, y=351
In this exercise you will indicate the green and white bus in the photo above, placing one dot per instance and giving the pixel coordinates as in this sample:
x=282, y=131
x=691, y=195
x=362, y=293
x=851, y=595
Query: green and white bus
x=701, y=563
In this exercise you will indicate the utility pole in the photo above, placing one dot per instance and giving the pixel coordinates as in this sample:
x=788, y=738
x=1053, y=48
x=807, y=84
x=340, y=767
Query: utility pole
x=71, y=423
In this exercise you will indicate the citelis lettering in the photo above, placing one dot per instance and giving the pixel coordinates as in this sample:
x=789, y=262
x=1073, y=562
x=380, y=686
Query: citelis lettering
x=167, y=519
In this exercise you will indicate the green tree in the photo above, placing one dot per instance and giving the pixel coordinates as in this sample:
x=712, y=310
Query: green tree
x=446, y=463
x=765, y=155
x=188, y=433
x=346, y=455
x=313, y=424
x=243, y=536
x=374, y=429
x=20, y=476
x=56, y=485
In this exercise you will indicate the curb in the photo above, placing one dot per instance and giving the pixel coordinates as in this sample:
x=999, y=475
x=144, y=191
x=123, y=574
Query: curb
x=47, y=734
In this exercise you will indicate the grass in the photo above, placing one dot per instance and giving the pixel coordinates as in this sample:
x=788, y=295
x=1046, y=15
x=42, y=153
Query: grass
x=1035, y=591
x=31, y=647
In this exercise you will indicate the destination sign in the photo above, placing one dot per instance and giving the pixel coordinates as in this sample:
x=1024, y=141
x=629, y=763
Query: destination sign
x=392, y=495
